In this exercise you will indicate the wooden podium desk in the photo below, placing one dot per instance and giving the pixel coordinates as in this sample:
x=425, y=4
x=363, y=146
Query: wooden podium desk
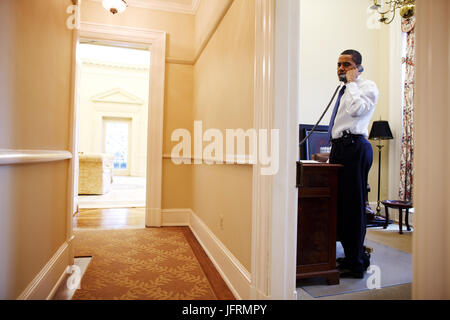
x=316, y=230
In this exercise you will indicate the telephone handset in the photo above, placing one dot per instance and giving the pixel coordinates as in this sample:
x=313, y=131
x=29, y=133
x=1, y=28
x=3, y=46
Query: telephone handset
x=343, y=77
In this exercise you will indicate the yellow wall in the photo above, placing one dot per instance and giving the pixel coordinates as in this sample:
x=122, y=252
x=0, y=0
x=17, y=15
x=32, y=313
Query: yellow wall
x=223, y=98
x=179, y=27
x=35, y=84
x=208, y=14
x=176, y=180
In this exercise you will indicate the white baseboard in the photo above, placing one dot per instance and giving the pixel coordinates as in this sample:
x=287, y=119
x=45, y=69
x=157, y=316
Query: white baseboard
x=57, y=285
x=44, y=285
x=232, y=271
x=175, y=217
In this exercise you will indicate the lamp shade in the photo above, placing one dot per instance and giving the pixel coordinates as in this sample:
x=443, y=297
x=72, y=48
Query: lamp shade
x=380, y=131
x=115, y=6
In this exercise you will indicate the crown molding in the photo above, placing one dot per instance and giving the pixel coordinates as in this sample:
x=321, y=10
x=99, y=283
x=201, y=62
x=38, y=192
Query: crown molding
x=115, y=65
x=164, y=5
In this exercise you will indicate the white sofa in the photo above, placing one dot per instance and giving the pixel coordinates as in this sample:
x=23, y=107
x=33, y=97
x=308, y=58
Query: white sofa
x=95, y=173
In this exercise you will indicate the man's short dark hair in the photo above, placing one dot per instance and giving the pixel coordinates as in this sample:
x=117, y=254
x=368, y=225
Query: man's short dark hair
x=356, y=56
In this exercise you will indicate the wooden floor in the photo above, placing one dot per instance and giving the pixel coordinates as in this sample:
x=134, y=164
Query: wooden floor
x=122, y=218
x=127, y=218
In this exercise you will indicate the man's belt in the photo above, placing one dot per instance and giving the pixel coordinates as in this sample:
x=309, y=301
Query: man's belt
x=347, y=137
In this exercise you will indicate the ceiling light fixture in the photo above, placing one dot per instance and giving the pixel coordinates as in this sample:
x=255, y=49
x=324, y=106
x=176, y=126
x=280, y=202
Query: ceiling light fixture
x=115, y=6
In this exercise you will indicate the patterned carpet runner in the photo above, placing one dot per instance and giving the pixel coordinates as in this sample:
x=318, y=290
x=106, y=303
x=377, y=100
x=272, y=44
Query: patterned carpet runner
x=140, y=264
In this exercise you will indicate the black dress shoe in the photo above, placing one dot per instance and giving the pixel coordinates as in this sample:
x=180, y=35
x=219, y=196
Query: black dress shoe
x=352, y=274
x=343, y=268
x=366, y=264
x=344, y=265
x=340, y=260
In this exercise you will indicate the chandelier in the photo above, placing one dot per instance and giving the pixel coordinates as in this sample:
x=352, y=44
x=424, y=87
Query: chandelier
x=388, y=9
x=115, y=6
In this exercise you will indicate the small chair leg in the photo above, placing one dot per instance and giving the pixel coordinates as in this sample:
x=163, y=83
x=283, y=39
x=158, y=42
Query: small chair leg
x=400, y=220
x=387, y=217
x=407, y=220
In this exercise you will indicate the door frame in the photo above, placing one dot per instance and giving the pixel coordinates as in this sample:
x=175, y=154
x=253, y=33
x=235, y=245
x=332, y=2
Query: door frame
x=276, y=105
x=155, y=41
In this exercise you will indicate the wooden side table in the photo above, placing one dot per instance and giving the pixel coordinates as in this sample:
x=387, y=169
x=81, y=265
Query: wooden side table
x=400, y=205
x=317, y=213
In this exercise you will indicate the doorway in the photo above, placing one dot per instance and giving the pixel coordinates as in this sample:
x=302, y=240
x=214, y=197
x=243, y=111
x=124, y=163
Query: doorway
x=391, y=259
x=113, y=94
x=155, y=43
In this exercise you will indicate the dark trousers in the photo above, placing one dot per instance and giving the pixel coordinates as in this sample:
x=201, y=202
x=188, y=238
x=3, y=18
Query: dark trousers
x=355, y=153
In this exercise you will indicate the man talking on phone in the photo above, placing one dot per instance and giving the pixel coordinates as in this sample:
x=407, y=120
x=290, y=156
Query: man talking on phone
x=348, y=131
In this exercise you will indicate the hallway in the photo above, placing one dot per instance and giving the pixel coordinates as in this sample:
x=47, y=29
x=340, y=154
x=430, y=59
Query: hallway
x=226, y=65
x=132, y=262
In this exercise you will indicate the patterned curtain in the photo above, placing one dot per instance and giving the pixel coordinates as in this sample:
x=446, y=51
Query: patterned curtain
x=407, y=155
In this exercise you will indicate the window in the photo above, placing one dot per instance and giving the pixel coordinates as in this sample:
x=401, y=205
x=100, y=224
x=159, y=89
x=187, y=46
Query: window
x=116, y=137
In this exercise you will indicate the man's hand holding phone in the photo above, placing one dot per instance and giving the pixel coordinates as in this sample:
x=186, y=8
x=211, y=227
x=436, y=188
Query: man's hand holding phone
x=352, y=75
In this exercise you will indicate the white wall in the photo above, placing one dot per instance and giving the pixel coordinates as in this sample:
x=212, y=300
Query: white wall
x=431, y=241
x=329, y=27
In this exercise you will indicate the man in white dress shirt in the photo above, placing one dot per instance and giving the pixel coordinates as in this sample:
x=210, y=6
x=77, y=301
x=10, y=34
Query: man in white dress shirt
x=348, y=132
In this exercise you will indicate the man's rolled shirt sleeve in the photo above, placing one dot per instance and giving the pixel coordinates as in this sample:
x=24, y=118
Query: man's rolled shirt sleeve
x=361, y=99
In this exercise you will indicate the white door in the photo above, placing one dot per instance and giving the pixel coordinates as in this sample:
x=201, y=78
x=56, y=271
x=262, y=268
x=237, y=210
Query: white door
x=116, y=141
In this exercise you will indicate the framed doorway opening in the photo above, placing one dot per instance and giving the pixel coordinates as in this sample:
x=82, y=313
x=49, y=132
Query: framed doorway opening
x=155, y=42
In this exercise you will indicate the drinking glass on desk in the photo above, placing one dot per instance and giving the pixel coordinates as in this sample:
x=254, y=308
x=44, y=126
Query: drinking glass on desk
x=325, y=149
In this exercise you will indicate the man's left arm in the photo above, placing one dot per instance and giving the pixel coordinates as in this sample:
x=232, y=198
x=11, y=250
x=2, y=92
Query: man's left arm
x=362, y=98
